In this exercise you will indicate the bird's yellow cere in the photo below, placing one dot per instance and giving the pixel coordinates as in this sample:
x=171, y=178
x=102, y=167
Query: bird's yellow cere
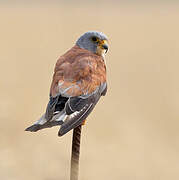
x=100, y=48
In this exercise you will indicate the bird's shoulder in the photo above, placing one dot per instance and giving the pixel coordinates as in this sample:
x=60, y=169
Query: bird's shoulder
x=78, y=56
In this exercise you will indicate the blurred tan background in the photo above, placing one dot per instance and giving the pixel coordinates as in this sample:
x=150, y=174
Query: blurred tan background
x=133, y=133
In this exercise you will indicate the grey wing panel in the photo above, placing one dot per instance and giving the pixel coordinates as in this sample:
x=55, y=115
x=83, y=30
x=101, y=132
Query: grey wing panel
x=75, y=104
x=75, y=120
x=104, y=89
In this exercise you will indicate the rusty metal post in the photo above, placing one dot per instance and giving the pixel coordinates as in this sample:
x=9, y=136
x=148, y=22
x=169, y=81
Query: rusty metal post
x=75, y=153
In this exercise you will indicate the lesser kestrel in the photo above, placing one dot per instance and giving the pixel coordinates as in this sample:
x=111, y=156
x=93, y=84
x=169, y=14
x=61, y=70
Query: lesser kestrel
x=79, y=81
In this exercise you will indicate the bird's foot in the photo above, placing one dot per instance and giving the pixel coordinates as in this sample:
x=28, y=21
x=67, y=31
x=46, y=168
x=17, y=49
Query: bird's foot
x=84, y=122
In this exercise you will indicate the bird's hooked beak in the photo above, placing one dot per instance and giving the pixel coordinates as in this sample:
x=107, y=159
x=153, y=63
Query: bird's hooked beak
x=102, y=47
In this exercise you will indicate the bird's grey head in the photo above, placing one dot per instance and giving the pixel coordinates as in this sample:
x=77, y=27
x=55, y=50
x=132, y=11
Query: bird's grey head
x=94, y=41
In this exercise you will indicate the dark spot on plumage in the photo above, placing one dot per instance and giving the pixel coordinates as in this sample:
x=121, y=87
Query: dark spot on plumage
x=61, y=103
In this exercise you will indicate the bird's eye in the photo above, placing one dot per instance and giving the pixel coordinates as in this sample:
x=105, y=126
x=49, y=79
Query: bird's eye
x=94, y=39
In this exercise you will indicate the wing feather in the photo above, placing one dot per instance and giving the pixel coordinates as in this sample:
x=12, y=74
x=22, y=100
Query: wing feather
x=79, y=116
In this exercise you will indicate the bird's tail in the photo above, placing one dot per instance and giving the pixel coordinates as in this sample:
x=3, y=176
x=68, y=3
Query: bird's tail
x=42, y=123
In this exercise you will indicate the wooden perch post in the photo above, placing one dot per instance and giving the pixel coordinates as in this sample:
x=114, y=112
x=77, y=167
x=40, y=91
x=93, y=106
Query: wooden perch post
x=75, y=153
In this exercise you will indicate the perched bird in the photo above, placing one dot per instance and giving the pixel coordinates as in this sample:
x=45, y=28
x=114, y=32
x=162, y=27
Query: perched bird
x=79, y=81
